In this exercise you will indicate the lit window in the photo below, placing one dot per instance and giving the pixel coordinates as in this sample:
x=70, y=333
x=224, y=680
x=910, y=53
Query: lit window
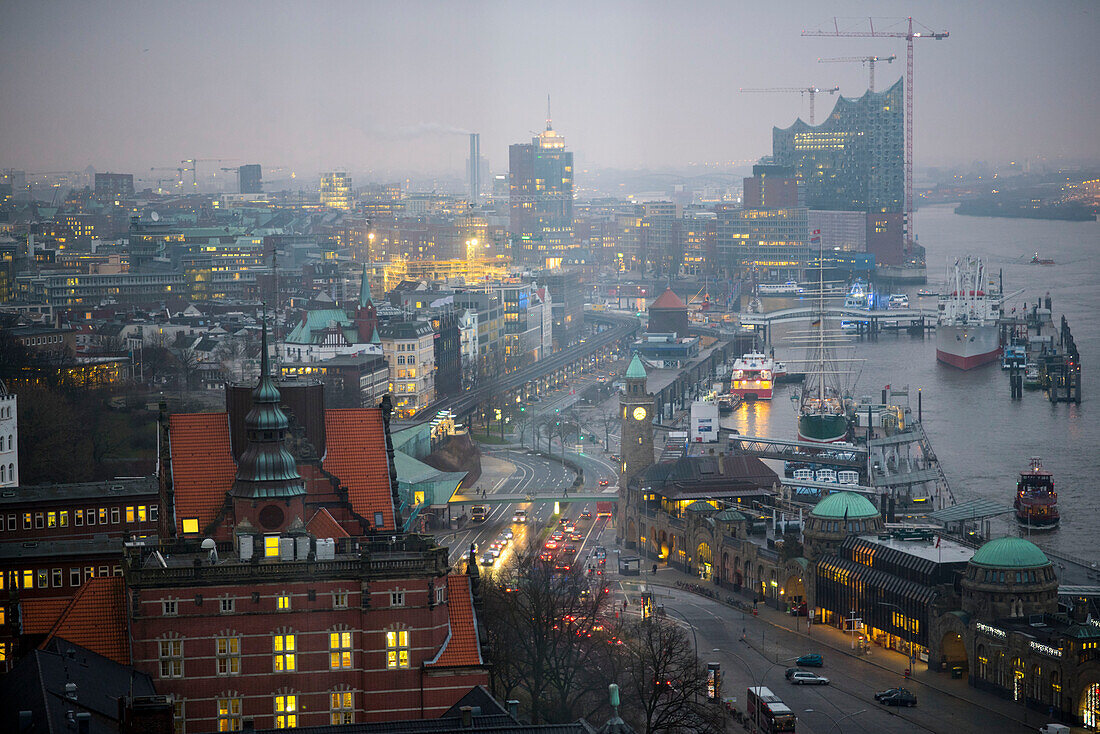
x=229, y=655
x=103, y=516
x=271, y=546
x=397, y=649
x=284, y=653
x=141, y=515
x=229, y=714
x=286, y=711
x=339, y=645
x=63, y=518
x=283, y=601
x=340, y=600
x=341, y=704
x=130, y=514
x=171, y=658
x=190, y=525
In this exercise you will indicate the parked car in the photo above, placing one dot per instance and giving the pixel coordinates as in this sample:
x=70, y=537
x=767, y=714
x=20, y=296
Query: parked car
x=1054, y=729
x=806, y=678
x=811, y=660
x=900, y=697
x=889, y=692
x=791, y=671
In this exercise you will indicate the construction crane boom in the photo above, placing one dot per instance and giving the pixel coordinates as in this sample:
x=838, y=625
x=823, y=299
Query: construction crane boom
x=194, y=166
x=811, y=90
x=894, y=28
x=870, y=61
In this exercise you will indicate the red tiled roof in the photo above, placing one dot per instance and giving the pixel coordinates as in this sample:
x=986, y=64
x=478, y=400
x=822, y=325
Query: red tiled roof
x=96, y=619
x=324, y=525
x=461, y=647
x=668, y=299
x=202, y=464
x=40, y=615
x=356, y=453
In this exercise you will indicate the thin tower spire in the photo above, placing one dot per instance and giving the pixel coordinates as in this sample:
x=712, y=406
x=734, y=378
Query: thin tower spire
x=548, y=125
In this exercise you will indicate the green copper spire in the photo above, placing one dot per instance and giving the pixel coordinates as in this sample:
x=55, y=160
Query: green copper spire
x=266, y=469
x=636, y=370
x=374, y=338
x=364, y=288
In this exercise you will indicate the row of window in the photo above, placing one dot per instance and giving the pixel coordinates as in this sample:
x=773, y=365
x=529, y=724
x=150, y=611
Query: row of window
x=91, y=516
x=44, y=578
x=7, y=471
x=228, y=604
x=11, y=441
x=284, y=651
x=285, y=705
x=5, y=412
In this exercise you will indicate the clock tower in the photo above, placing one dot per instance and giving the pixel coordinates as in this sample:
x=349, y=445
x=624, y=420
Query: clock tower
x=636, y=413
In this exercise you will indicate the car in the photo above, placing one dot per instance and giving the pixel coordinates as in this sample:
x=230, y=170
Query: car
x=605, y=483
x=550, y=545
x=502, y=542
x=806, y=678
x=599, y=552
x=569, y=527
x=614, y=457
x=494, y=550
x=890, y=692
x=519, y=516
x=586, y=515
x=810, y=660
x=899, y=698
x=557, y=535
x=576, y=536
x=488, y=559
x=791, y=671
x=507, y=533
x=569, y=549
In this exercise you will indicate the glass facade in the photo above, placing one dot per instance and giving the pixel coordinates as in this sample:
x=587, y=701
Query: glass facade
x=855, y=159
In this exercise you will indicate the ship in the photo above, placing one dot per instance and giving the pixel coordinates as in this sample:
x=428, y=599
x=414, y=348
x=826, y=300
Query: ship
x=790, y=288
x=967, y=335
x=825, y=411
x=753, y=376
x=1036, y=501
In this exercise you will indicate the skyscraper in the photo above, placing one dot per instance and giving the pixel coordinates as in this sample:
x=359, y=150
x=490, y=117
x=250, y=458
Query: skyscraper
x=336, y=190
x=541, y=198
x=250, y=179
x=473, y=167
x=113, y=186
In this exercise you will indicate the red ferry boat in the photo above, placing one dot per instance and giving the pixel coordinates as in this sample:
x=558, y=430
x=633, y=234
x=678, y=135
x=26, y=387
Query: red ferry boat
x=1036, y=501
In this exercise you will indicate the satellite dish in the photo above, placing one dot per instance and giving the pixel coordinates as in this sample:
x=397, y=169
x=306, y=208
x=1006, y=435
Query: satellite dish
x=155, y=217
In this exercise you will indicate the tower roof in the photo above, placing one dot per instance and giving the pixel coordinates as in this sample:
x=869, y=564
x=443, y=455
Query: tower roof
x=669, y=300
x=840, y=505
x=364, y=289
x=1009, y=552
x=636, y=370
x=266, y=469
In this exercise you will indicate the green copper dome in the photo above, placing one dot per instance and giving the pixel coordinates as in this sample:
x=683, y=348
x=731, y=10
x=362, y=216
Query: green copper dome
x=730, y=516
x=1010, y=552
x=840, y=505
x=636, y=370
x=700, y=506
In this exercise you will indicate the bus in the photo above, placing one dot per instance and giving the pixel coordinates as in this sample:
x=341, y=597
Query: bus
x=768, y=711
x=478, y=513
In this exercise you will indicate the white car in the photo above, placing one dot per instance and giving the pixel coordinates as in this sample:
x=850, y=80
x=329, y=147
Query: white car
x=806, y=678
x=507, y=533
x=519, y=516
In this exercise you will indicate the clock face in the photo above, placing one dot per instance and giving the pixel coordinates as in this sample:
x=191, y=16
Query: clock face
x=639, y=414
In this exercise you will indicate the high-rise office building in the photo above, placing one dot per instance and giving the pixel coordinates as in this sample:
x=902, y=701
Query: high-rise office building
x=336, y=190
x=473, y=168
x=250, y=179
x=113, y=186
x=855, y=159
x=541, y=198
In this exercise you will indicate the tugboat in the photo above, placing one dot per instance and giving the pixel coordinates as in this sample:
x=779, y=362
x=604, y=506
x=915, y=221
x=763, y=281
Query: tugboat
x=1036, y=260
x=752, y=376
x=1036, y=501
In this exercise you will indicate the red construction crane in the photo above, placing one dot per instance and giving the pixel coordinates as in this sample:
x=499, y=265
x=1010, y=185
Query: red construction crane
x=812, y=91
x=870, y=61
x=892, y=28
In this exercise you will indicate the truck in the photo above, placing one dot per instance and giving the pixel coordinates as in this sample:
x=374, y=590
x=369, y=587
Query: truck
x=478, y=513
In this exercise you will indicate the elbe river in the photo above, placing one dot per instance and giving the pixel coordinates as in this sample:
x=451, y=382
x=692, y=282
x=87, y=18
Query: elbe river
x=981, y=436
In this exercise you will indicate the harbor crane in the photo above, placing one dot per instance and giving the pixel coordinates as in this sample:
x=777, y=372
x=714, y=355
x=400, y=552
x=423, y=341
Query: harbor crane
x=869, y=61
x=891, y=28
x=812, y=91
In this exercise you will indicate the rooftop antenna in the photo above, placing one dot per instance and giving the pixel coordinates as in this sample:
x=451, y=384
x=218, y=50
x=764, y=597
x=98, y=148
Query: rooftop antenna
x=548, y=126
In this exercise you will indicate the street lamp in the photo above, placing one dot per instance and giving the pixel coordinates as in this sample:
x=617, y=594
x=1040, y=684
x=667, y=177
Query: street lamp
x=836, y=722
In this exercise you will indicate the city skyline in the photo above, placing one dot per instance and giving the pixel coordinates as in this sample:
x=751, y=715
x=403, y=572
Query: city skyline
x=381, y=88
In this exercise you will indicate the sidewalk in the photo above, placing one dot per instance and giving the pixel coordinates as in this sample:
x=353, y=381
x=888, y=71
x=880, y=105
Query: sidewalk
x=840, y=642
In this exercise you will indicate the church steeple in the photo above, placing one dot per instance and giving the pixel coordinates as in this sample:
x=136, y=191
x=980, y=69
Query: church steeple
x=364, y=289
x=266, y=470
x=366, y=315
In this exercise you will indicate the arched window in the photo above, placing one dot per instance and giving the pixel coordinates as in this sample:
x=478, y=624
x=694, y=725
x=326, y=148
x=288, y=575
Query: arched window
x=3, y=473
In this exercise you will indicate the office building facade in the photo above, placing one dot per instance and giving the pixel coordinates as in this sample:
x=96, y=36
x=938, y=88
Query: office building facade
x=336, y=192
x=541, y=198
x=250, y=179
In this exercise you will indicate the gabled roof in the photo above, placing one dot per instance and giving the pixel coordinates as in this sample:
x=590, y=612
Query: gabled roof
x=669, y=300
x=38, y=616
x=324, y=525
x=461, y=648
x=312, y=328
x=96, y=619
x=202, y=464
x=356, y=454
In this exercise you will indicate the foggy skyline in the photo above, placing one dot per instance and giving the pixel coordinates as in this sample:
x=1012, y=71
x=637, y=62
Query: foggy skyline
x=390, y=87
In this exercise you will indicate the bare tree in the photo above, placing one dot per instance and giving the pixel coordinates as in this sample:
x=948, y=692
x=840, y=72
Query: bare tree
x=665, y=681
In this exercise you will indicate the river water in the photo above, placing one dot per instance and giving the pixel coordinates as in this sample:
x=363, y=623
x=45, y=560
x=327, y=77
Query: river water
x=982, y=438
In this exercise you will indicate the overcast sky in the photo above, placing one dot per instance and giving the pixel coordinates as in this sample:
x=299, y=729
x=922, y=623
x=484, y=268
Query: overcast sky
x=388, y=86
